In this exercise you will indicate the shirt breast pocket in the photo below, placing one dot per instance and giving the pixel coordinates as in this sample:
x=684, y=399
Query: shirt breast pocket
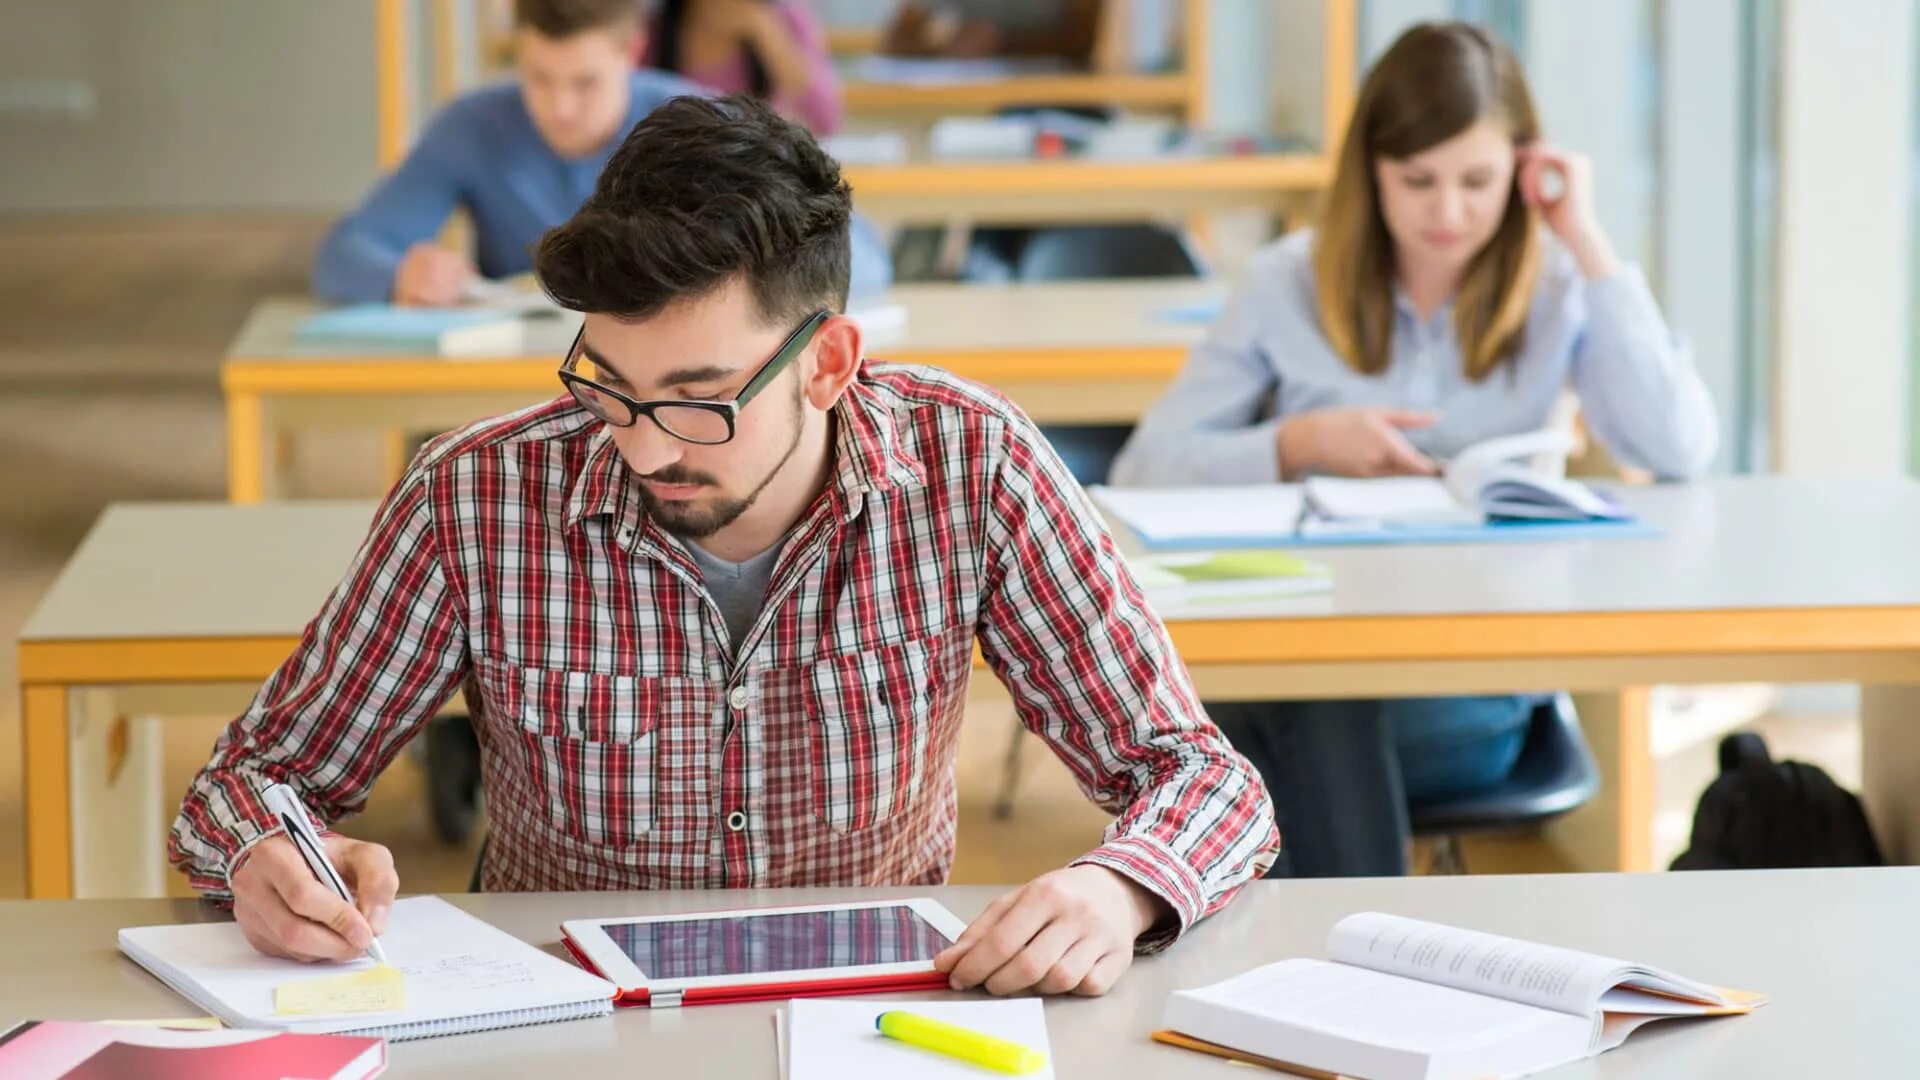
x=869, y=720
x=590, y=739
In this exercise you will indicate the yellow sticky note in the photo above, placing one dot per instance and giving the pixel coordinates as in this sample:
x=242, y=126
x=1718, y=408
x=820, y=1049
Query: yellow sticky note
x=377, y=989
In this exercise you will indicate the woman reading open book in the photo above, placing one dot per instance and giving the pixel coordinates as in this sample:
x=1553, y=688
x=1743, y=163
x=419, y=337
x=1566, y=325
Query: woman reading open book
x=1457, y=283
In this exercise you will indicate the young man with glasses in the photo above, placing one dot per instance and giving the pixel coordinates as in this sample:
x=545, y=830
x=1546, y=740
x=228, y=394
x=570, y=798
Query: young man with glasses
x=719, y=607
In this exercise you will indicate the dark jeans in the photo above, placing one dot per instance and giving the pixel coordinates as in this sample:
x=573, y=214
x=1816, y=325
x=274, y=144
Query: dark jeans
x=1342, y=773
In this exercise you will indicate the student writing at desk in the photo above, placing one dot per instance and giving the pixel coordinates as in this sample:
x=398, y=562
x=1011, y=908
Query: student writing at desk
x=519, y=157
x=773, y=49
x=720, y=607
x=1425, y=314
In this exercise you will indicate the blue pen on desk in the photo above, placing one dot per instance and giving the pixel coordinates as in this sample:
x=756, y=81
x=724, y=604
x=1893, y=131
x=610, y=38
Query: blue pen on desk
x=286, y=805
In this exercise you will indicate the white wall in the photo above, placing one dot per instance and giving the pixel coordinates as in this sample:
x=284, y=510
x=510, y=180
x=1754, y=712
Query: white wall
x=1702, y=171
x=194, y=104
x=1843, y=263
x=1583, y=63
x=1381, y=21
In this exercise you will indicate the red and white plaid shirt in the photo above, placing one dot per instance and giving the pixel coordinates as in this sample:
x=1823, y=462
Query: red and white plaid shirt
x=621, y=747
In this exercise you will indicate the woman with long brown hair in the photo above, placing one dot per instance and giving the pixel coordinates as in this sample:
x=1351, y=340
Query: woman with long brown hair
x=1457, y=283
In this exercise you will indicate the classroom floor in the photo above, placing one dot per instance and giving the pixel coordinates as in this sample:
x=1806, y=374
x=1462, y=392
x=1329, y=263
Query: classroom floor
x=111, y=332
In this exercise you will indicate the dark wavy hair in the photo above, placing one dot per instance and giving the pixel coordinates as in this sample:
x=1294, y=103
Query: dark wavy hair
x=560, y=19
x=704, y=191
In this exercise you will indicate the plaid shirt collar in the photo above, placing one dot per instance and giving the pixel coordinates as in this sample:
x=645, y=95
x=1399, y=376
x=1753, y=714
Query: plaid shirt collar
x=869, y=458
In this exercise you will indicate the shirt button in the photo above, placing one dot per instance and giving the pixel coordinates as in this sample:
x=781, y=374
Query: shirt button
x=737, y=697
x=736, y=821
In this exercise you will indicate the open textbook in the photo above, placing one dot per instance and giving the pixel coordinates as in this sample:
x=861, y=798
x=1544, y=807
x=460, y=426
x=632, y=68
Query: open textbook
x=1402, y=999
x=1518, y=476
x=1507, y=489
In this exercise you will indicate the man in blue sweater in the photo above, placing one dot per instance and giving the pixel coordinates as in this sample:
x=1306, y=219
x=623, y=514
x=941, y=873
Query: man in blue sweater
x=521, y=158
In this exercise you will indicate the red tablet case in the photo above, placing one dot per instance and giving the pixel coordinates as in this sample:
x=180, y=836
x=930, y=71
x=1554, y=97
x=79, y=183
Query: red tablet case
x=773, y=991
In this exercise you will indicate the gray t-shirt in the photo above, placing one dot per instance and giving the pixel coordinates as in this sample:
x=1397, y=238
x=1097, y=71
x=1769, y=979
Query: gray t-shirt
x=739, y=588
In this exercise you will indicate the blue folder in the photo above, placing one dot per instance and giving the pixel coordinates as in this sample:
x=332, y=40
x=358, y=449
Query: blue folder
x=374, y=325
x=1198, y=311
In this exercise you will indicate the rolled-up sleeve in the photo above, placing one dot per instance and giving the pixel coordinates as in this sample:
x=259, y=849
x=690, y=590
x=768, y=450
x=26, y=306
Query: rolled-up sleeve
x=1211, y=426
x=383, y=654
x=1093, y=672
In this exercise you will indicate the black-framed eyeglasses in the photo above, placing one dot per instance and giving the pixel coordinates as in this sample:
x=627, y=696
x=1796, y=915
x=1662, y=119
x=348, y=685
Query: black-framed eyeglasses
x=708, y=423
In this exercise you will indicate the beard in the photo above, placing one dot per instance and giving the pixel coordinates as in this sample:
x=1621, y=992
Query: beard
x=696, y=520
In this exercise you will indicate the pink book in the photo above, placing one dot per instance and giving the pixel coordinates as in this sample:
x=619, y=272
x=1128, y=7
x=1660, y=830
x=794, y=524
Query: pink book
x=72, y=1050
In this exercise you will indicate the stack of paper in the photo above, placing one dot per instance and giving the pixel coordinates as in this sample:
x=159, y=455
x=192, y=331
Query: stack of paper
x=1224, y=517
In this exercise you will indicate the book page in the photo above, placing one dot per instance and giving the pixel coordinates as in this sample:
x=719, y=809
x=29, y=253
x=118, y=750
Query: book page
x=1349, y=1020
x=1387, y=499
x=1543, y=975
x=1543, y=453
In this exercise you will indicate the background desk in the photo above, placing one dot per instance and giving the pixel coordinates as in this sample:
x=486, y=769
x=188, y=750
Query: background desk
x=1756, y=579
x=1816, y=941
x=1051, y=191
x=1081, y=352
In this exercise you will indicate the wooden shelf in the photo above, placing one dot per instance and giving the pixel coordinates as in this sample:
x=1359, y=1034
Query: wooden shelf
x=1281, y=172
x=854, y=40
x=1164, y=91
x=1042, y=192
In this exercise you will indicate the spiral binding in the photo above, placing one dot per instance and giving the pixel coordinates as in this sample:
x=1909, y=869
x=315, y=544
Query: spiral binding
x=462, y=1025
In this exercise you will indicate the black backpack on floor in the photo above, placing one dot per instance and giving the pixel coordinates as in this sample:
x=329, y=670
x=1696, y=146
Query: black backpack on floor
x=1760, y=813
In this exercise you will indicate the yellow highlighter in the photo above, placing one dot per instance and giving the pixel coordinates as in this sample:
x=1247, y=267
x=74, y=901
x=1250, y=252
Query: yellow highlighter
x=960, y=1043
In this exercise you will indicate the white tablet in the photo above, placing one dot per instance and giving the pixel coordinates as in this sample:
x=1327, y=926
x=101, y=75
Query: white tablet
x=879, y=946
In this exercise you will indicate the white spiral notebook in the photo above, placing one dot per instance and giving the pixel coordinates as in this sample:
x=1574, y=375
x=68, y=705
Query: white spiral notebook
x=462, y=975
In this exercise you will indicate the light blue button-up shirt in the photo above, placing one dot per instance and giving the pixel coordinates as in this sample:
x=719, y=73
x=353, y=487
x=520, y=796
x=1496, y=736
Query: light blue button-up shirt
x=1265, y=359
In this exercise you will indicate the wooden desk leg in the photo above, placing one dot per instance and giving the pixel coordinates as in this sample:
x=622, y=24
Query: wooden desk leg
x=49, y=813
x=246, y=449
x=1614, y=831
x=1890, y=768
x=396, y=450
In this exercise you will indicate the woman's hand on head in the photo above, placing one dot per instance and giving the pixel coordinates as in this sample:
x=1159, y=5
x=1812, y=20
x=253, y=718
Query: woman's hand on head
x=1559, y=184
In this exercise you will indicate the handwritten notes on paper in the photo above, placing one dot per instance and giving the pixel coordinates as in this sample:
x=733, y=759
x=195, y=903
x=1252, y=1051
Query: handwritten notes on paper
x=378, y=989
x=470, y=972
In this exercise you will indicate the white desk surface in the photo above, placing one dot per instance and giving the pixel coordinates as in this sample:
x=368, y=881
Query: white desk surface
x=193, y=570
x=1126, y=314
x=1832, y=948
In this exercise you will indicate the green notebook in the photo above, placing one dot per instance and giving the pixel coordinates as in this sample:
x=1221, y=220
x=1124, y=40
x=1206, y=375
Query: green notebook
x=1230, y=575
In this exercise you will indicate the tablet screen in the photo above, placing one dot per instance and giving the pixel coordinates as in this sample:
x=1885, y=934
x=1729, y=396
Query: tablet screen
x=792, y=941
